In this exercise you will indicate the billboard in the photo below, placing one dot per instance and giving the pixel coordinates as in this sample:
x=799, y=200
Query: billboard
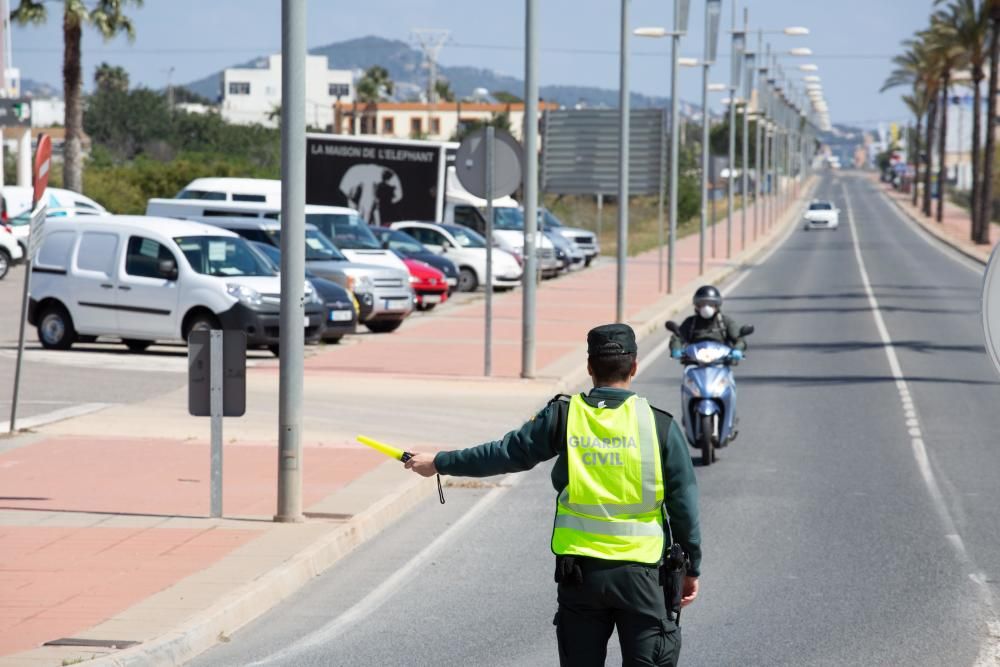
x=384, y=180
x=580, y=151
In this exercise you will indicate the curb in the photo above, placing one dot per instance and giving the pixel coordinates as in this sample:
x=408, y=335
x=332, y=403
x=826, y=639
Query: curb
x=671, y=304
x=954, y=244
x=201, y=631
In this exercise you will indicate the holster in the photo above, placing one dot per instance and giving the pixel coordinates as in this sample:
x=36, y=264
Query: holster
x=675, y=565
x=568, y=570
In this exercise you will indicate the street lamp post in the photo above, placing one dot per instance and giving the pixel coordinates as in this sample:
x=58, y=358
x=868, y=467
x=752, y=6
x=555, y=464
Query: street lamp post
x=681, y=8
x=530, y=187
x=738, y=47
x=745, y=167
x=713, y=12
x=623, y=140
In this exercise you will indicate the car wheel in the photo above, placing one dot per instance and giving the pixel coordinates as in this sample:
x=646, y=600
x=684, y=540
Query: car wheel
x=588, y=260
x=424, y=307
x=383, y=326
x=4, y=263
x=55, y=328
x=201, y=322
x=136, y=345
x=332, y=340
x=467, y=280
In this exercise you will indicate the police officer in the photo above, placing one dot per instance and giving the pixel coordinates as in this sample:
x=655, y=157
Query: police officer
x=621, y=466
x=708, y=323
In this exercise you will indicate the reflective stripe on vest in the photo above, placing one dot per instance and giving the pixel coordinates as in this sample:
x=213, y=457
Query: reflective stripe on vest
x=612, y=506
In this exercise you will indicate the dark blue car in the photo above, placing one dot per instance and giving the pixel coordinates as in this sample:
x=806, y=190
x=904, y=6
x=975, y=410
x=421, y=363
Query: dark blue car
x=406, y=246
x=341, y=314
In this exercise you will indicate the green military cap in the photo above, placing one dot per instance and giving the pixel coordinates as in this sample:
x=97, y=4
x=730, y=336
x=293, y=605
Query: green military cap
x=611, y=340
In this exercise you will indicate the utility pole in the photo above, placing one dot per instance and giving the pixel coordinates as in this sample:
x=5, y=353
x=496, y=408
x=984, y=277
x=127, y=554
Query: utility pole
x=738, y=46
x=431, y=41
x=623, y=152
x=293, y=251
x=713, y=12
x=529, y=283
x=745, y=162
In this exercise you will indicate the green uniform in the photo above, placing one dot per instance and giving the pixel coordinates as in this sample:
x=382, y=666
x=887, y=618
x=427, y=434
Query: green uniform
x=614, y=593
x=720, y=328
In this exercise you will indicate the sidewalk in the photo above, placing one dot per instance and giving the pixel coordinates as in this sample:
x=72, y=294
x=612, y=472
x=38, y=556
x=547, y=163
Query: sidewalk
x=953, y=229
x=104, y=540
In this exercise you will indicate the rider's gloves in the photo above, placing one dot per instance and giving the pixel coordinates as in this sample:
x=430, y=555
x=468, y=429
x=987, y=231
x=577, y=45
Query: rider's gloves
x=736, y=355
x=676, y=354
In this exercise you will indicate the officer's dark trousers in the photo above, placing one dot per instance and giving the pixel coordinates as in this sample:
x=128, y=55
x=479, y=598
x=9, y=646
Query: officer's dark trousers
x=623, y=595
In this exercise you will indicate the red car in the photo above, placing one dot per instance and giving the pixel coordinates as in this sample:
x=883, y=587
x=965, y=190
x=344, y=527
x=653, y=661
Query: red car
x=430, y=285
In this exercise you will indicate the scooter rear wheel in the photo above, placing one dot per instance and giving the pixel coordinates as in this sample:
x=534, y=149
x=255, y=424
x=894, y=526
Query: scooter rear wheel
x=705, y=443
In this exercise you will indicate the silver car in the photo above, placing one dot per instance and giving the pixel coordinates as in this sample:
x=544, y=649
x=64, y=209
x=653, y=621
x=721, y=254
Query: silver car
x=585, y=240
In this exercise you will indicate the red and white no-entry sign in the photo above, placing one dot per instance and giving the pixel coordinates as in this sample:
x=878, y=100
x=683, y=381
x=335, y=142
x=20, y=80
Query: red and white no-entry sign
x=43, y=162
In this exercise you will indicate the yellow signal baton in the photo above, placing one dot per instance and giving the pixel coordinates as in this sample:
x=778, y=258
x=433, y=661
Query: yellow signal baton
x=388, y=450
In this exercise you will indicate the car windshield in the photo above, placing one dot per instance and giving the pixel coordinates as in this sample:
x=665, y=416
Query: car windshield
x=318, y=246
x=821, y=206
x=467, y=238
x=547, y=220
x=508, y=218
x=269, y=253
x=222, y=256
x=399, y=241
x=348, y=231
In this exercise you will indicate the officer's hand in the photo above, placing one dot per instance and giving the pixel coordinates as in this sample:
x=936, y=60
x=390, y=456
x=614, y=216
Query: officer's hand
x=422, y=464
x=690, y=591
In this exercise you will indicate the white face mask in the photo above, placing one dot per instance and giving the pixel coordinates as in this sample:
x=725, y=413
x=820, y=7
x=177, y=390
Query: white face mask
x=707, y=312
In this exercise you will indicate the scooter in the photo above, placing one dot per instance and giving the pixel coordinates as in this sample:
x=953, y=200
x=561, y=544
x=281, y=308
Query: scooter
x=708, y=394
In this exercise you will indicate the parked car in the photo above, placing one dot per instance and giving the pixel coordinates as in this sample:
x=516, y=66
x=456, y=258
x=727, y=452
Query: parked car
x=384, y=293
x=16, y=207
x=145, y=279
x=342, y=309
x=341, y=225
x=584, y=239
x=11, y=252
x=567, y=252
x=233, y=189
x=468, y=250
x=821, y=215
x=408, y=247
x=428, y=283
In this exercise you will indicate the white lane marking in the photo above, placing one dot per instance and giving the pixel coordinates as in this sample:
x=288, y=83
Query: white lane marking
x=35, y=421
x=389, y=587
x=647, y=360
x=935, y=242
x=917, y=442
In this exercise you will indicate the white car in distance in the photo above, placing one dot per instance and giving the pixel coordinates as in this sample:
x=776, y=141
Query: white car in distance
x=467, y=250
x=821, y=215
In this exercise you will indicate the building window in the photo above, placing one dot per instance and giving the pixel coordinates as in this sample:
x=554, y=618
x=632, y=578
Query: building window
x=239, y=87
x=416, y=126
x=435, y=126
x=388, y=126
x=338, y=90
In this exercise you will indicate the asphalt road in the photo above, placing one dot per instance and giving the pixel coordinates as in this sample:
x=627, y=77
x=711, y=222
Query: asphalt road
x=853, y=522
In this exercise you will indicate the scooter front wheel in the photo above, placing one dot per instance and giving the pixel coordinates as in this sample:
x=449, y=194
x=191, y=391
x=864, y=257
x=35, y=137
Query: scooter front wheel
x=705, y=443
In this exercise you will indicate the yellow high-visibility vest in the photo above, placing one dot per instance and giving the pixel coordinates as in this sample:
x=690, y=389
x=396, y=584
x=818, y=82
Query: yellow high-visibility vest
x=612, y=507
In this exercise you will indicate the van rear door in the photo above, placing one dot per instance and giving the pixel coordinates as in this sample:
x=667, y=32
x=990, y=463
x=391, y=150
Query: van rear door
x=93, y=285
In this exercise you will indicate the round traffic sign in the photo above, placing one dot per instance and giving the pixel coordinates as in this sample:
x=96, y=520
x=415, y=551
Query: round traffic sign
x=43, y=160
x=991, y=307
x=470, y=163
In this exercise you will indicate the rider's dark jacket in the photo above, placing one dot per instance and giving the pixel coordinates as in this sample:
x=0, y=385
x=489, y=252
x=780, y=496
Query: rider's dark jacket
x=720, y=328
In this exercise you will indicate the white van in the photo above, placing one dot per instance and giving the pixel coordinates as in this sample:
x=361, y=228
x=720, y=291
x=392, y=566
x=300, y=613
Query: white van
x=259, y=190
x=145, y=279
x=342, y=225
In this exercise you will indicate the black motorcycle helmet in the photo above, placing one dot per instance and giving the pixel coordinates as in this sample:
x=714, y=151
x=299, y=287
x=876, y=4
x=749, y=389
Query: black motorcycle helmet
x=707, y=295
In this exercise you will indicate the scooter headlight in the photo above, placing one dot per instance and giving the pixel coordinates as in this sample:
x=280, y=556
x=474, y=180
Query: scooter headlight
x=692, y=387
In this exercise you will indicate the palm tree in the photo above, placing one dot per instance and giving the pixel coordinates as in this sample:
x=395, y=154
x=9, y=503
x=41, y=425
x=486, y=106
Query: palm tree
x=111, y=78
x=374, y=85
x=966, y=23
x=917, y=104
x=945, y=55
x=109, y=20
x=986, y=205
x=915, y=68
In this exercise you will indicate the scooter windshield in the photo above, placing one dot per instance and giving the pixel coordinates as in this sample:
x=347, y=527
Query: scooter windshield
x=707, y=352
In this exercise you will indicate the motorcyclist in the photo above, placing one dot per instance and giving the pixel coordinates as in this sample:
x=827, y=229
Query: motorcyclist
x=708, y=323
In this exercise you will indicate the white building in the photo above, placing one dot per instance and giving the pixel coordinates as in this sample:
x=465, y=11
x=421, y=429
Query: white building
x=252, y=95
x=47, y=111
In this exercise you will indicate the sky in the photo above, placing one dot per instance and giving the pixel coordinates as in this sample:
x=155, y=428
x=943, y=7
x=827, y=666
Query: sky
x=183, y=40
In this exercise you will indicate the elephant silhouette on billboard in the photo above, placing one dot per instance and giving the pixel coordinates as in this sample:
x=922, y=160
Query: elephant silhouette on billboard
x=371, y=189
